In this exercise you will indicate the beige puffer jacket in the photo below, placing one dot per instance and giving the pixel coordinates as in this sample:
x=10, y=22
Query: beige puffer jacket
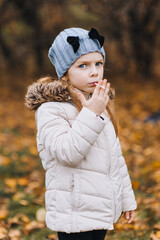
x=87, y=182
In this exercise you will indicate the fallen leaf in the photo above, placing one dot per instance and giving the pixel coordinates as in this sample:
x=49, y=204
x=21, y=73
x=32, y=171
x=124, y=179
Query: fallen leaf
x=158, y=234
x=153, y=236
x=3, y=213
x=25, y=219
x=33, y=150
x=32, y=226
x=22, y=181
x=23, y=202
x=3, y=233
x=4, y=160
x=40, y=215
x=11, y=182
x=157, y=226
x=39, y=200
x=14, y=220
x=18, y=196
x=135, y=185
x=53, y=237
x=14, y=233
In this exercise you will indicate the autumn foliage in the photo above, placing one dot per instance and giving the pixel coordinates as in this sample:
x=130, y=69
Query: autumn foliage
x=22, y=187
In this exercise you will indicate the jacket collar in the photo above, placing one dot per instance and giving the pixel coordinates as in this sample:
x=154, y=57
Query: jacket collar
x=45, y=90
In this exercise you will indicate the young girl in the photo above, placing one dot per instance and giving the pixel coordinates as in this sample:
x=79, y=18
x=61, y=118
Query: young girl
x=87, y=182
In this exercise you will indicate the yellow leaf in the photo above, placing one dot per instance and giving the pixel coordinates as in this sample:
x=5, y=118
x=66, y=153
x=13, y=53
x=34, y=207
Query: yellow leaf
x=136, y=226
x=18, y=196
x=33, y=150
x=22, y=181
x=4, y=160
x=11, y=182
x=158, y=234
x=3, y=213
x=23, y=202
x=153, y=236
x=25, y=219
x=156, y=164
x=135, y=185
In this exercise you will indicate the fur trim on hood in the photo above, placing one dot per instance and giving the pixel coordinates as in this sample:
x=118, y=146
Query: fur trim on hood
x=47, y=90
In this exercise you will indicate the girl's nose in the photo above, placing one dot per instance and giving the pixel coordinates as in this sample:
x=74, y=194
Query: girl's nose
x=93, y=71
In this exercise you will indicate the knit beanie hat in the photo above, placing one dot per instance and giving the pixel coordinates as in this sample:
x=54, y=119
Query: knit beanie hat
x=72, y=43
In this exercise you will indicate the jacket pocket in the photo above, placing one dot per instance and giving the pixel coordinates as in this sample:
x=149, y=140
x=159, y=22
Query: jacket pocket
x=75, y=191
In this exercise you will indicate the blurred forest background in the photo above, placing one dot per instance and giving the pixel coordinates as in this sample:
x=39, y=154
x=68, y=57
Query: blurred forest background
x=27, y=30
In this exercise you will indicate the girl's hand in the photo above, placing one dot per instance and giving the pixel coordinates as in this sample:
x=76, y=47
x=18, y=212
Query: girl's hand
x=99, y=100
x=129, y=216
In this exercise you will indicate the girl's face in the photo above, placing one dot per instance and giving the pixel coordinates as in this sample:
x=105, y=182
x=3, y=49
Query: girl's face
x=85, y=71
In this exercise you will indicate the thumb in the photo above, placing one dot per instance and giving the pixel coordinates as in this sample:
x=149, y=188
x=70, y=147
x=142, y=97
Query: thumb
x=81, y=97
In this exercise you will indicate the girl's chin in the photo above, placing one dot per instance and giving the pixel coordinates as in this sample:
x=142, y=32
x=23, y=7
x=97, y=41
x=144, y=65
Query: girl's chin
x=90, y=91
x=87, y=90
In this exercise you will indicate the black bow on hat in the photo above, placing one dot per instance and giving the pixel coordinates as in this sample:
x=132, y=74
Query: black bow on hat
x=93, y=34
x=74, y=41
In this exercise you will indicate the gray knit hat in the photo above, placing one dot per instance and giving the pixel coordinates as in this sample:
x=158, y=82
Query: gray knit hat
x=72, y=43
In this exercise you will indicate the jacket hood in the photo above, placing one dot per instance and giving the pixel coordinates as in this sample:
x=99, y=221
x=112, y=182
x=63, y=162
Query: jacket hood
x=46, y=90
x=50, y=90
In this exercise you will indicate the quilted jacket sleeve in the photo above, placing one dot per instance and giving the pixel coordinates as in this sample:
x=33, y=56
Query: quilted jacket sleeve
x=128, y=197
x=68, y=144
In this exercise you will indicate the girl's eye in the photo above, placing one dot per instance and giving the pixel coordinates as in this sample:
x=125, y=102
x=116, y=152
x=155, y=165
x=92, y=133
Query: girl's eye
x=82, y=66
x=99, y=63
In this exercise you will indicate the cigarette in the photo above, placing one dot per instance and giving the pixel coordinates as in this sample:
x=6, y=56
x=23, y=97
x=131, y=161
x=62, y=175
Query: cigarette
x=100, y=86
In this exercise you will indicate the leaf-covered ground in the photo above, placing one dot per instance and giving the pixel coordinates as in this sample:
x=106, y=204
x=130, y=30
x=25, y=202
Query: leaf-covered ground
x=22, y=177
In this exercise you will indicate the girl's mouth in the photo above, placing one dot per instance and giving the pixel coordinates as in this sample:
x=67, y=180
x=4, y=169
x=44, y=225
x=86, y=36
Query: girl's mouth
x=93, y=84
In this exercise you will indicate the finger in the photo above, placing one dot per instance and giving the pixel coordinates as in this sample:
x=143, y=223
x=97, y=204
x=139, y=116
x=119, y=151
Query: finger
x=104, y=84
x=108, y=87
x=103, y=87
x=81, y=97
x=127, y=215
x=107, y=90
x=131, y=216
x=98, y=87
